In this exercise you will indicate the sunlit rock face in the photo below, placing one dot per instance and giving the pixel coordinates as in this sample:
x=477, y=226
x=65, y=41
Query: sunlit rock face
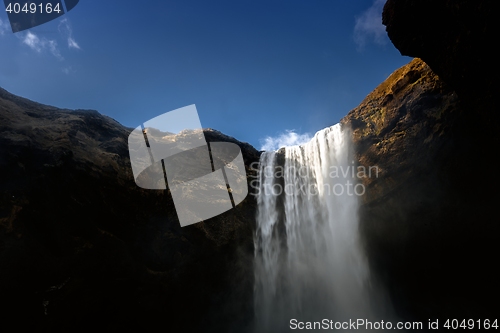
x=429, y=212
x=454, y=243
x=81, y=243
x=410, y=111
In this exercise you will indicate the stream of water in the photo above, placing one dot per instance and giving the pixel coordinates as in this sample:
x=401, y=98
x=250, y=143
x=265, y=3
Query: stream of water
x=309, y=263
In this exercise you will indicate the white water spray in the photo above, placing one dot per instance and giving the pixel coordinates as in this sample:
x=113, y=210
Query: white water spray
x=309, y=264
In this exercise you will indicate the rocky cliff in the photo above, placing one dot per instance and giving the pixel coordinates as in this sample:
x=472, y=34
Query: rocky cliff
x=81, y=244
x=429, y=219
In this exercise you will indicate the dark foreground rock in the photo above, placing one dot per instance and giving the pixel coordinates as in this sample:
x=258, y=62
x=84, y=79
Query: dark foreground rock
x=81, y=246
x=456, y=38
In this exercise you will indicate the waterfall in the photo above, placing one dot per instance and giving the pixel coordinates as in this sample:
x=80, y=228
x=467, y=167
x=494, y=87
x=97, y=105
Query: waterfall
x=309, y=264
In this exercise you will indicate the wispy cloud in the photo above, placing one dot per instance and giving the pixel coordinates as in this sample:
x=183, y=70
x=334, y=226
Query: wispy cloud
x=40, y=44
x=4, y=27
x=72, y=44
x=68, y=70
x=32, y=41
x=52, y=45
x=67, y=32
x=369, y=27
x=287, y=139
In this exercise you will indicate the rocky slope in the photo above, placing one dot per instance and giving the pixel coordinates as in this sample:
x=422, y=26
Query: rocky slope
x=429, y=218
x=80, y=243
x=410, y=113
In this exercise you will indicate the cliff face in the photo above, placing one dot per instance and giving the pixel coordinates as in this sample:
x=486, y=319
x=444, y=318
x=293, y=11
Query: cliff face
x=428, y=219
x=80, y=243
x=408, y=114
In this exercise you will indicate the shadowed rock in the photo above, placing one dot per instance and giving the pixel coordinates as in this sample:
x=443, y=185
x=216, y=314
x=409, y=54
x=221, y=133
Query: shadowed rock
x=81, y=244
x=427, y=215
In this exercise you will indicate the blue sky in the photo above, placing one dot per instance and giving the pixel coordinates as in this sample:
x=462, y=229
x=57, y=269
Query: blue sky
x=276, y=69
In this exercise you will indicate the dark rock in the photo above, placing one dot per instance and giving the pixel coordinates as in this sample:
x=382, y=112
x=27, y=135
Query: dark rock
x=456, y=38
x=428, y=213
x=81, y=245
x=446, y=213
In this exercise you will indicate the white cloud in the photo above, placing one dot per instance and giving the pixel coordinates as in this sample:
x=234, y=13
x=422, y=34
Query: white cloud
x=73, y=44
x=32, y=41
x=4, y=27
x=68, y=70
x=65, y=29
x=289, y=138
x=369, y=26
x=52, y=45
x=44, y=45
x=39, y=44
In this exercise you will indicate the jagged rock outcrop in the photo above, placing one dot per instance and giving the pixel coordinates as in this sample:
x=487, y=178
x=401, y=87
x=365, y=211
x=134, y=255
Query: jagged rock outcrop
x=81, y=244
x=455, y=38
x=410, y=112
x=428, y=219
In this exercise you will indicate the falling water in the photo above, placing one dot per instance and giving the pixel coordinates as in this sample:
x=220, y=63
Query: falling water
x=309, y=264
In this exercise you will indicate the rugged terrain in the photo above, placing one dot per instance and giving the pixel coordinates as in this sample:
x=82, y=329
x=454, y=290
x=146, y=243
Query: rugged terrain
x=429, y=220
x=80, y=243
